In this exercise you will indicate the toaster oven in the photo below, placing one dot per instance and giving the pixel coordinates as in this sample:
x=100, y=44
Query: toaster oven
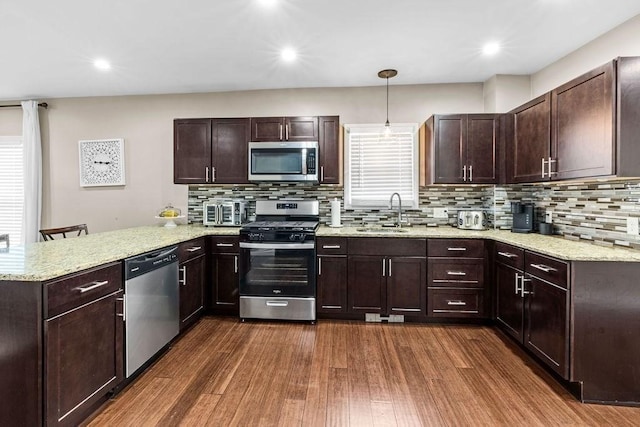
x=224, y=212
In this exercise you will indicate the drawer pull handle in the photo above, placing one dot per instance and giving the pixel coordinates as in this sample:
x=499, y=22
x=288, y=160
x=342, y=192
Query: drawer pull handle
x=337, y=307
x=457, y=302
x=411, y=310
x=330, y=246
x=456, y=273
x=91, y=286
x=224, y=245
x=456, y=249
x=195, y=248
x=508, y=254
x=544, y=268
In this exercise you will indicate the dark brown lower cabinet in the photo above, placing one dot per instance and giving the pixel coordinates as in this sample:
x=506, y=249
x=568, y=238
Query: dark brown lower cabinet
x=224, y=292
x=509, y=303
x=332, y=284
x=192, y=279
x=83, y=359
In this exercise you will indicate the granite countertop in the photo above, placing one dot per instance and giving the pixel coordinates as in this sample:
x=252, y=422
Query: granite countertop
x=555, y=246
x=47, y=260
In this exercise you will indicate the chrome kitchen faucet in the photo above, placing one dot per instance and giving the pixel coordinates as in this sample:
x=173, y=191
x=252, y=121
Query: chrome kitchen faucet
x=399, y=224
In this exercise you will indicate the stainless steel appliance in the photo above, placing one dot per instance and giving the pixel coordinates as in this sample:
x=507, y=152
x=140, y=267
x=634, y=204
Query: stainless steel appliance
x=151, y=305
x=277, y=266
x=522, y=217
x=288, y=161
x=472, y=220
x=224, y=212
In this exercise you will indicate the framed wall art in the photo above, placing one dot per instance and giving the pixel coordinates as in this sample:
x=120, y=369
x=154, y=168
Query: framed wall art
x=101, y=162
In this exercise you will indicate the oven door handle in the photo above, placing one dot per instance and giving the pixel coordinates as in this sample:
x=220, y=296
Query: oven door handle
x=249, y=245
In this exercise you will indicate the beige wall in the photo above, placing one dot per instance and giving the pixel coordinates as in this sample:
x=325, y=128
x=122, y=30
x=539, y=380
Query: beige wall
x=146, y=124
x=623, y=40
x=504, y=92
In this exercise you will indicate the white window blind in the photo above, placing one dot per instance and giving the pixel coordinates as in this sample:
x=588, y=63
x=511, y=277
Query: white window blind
x=378, y=165
x=11, y=188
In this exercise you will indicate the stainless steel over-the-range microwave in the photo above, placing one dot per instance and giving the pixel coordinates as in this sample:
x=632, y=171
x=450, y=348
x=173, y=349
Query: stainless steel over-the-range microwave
x=288, y=161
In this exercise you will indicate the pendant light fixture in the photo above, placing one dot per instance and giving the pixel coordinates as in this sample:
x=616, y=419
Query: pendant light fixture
x=387, y=74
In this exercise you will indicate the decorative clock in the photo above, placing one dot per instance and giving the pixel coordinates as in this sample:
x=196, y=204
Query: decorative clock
x=101, y=162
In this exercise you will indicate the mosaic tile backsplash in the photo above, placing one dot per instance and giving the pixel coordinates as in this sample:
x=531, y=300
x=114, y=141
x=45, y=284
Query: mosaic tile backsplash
x=588, y=211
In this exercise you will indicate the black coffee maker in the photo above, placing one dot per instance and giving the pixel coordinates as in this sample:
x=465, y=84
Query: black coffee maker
x=522, y=217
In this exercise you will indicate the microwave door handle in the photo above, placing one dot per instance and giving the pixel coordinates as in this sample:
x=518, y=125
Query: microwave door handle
x=304, y=161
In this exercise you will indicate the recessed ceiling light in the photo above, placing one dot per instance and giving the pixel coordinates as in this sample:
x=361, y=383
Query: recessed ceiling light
x=491, y=48
x=268, y=3
x=288, y=54
x=102, y=64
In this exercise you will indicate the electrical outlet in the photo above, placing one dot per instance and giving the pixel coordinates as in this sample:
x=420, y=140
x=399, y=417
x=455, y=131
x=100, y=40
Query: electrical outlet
x=633, y=227
x=440, y=213
x=548, y=217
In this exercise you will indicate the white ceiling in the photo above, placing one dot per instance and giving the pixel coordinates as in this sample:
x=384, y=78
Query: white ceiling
x=161, y=46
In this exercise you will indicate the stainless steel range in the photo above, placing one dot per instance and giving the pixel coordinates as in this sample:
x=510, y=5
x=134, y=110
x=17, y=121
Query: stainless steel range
x=277, y=261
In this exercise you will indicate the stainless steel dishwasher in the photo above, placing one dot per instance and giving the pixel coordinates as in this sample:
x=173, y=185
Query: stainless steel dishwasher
x=151, y=305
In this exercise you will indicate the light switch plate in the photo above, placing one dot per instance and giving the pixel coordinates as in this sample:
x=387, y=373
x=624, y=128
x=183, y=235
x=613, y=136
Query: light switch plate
x=440, y=213
x=548, y=217
x=632, y=226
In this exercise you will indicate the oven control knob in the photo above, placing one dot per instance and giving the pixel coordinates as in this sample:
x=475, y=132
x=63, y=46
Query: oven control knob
x=256, y=236
x=296, y=237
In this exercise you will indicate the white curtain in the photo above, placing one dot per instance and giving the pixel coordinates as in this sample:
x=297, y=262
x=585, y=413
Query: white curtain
x=32, y=171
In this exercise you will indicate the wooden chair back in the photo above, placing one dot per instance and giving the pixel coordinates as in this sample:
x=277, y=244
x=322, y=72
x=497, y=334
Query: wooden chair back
x=48, y=233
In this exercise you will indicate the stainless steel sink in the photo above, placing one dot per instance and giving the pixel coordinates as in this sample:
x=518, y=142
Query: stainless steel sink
x=376, y=230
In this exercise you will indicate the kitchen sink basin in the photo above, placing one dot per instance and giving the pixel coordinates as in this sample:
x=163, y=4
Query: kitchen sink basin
x=389, y=230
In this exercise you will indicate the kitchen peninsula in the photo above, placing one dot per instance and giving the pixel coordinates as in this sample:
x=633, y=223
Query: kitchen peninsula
x=600, y=285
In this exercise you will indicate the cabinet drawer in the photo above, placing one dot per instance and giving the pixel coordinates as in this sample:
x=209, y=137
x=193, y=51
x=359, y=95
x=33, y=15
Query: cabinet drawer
x=224, y=244
x=459, y=273
x=509, y=255
x=191, y=249
x=455, y=302
x=331, y=245
x=549, y=269
x=469, y=248
x=73, y=291
x=387, y=246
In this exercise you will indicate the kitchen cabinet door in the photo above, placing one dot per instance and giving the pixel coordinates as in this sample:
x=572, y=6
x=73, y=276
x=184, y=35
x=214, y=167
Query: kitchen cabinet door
x=230, y=145
x=329, y=149
x=449, y=139
x=547, y=325
x=407, y=286
x=529, y=140
x=583, y=120
x=269, y=129
x=301, y=128
x=482, y=148
x=83, y=359
x=191, y=150
x=225, y=295
x=192, y=278
x=332, y=284
x=367, y=292
x=509, y=302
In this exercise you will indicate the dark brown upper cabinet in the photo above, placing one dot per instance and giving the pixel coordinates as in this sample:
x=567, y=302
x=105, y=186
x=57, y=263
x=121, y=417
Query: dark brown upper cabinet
x=461, y=148
x=329, y=149
x=210, y=151
x=269, y=129
x=585, y=128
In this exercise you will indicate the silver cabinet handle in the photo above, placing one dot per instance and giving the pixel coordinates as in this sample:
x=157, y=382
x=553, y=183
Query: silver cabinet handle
x=456, y=249
x=319, y=266
x=517, y=277
x=384, y=267
x=224, y=245
x=470, y=173
x=543, y=267
x=280, y=131
x=338, y=307
x=213, y=174
x=523, y=279
x=389, y=267
x=508, y=254
x=286, y=132
x=543, y=172
x=456, y=302
x=331, y=246
x=321, y=173
x=456, y=273
x=195, y=248
x=549, y=163
x=464, y=173
x=206, y=169
x=413, y=310
x=277, y=303
x=124, y=311
x=91, y=286
x=183, y=281
x=235, y=263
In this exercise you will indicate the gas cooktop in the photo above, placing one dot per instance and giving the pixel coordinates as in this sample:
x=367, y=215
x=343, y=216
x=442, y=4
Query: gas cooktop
x=308, y=226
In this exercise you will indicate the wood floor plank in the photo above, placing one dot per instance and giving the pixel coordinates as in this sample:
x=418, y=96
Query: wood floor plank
x=227, y=373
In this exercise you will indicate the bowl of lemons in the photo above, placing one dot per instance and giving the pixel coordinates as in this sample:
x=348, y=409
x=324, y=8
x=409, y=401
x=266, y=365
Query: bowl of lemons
x=169, y=214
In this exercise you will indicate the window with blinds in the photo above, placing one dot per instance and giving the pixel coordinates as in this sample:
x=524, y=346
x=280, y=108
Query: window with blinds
x=11, y=188
x=378, y=165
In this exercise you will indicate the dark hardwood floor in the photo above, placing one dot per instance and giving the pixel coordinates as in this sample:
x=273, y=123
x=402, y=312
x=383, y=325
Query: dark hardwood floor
x=227, y=373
